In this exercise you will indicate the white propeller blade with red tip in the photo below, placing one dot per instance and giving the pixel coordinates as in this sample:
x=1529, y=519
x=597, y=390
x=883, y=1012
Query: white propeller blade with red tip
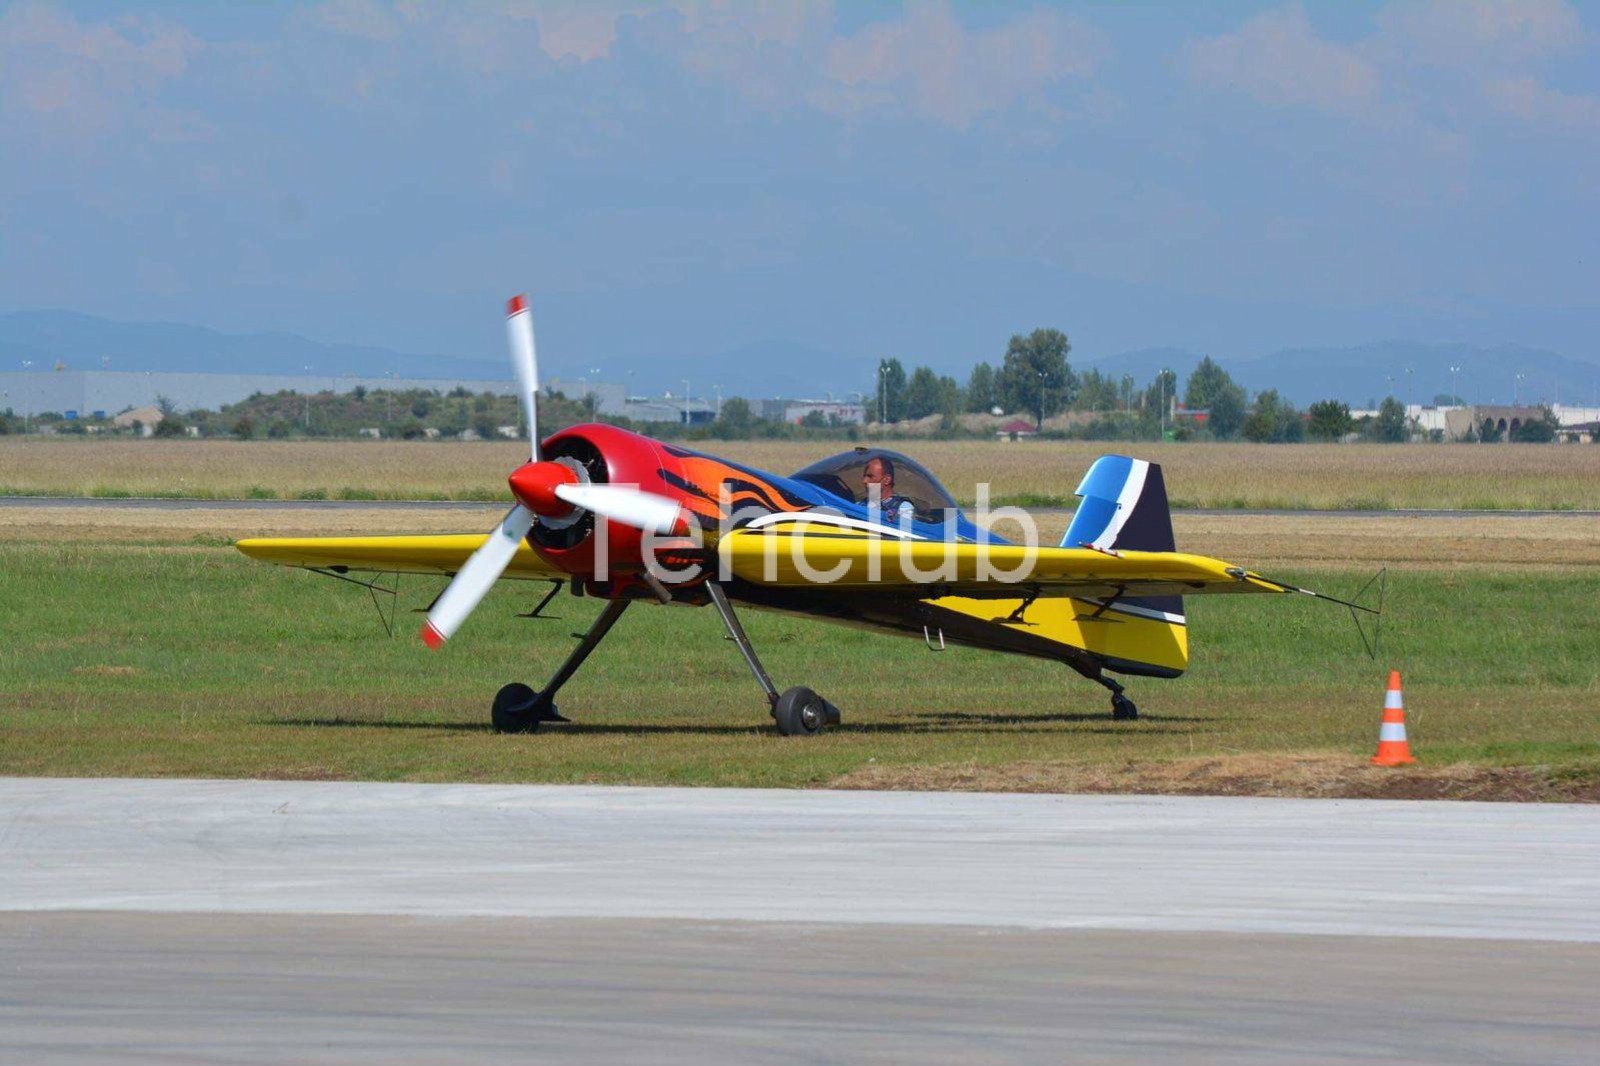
x=525, y=365
x=549, y=489
x=474, y=580
x=625, y=504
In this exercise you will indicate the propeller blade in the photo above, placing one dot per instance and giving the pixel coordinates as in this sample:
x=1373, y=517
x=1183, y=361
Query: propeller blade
x=525, y=365
x=474, y=580
x=625, y=504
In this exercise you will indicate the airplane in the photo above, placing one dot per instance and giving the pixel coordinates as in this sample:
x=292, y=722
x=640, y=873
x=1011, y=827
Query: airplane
x=627, y=519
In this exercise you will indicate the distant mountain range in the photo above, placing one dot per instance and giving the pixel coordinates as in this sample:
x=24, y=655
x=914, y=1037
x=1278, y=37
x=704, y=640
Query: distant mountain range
x=83, y=341
x=1364, y=374
x=784, y=368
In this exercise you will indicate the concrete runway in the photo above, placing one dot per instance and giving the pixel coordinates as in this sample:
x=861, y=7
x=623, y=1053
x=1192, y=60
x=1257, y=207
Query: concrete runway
x=173, y=921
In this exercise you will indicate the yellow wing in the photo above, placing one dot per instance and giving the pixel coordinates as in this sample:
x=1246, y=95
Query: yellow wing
x=436, y=554
x=799, y=553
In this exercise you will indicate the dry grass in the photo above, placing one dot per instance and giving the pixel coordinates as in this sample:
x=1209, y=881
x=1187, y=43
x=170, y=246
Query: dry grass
x=1212, y=475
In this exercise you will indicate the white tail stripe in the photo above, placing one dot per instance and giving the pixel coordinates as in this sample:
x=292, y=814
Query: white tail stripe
x=1141, y=611
x=1127, y=499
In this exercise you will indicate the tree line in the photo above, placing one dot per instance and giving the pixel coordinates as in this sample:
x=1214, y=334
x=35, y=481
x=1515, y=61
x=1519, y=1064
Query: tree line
x=1036, y=378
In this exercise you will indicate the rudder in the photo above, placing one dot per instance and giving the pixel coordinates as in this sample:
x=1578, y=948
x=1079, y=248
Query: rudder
x=1125, y=507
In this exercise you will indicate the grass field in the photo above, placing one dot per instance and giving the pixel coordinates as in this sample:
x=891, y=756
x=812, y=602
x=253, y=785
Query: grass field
x=1333, y=476
x=169, y=654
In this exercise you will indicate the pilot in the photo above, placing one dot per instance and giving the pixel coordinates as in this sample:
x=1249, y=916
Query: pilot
x=879, y=472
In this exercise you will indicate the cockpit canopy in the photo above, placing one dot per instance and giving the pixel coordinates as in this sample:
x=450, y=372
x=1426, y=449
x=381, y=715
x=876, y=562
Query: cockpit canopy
x=841, y=475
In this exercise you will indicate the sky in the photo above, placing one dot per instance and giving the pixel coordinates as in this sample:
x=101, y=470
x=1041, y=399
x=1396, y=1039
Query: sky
x=676, y=180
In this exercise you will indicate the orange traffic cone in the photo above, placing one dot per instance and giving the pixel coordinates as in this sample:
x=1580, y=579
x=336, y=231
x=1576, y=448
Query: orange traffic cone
x=1393, y=749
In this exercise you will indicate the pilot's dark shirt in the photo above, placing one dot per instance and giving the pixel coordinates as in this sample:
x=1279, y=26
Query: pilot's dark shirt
x=897, y=509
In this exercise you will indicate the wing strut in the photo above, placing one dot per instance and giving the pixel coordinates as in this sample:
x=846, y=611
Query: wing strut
x=556, y=586
x=373, y=588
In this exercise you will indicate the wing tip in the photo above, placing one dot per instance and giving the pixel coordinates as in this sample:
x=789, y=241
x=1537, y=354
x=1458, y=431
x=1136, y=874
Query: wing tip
x=516, y=305
x=431, y=636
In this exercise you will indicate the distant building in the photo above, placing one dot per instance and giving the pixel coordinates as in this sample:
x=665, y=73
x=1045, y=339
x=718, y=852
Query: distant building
x=1017, y=429
x=146, y=417
x=609, y=399
x=1503, y=420
x=669, y=409
x=1575, y=417
x=835, y=412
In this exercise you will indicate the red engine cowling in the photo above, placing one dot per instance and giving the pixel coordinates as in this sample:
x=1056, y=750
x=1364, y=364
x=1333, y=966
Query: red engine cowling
x=608, y=455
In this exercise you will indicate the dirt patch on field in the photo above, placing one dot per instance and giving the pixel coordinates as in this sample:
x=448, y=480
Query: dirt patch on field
x=1310, y=776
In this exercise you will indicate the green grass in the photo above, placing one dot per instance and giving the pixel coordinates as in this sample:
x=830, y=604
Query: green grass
x=189, y=660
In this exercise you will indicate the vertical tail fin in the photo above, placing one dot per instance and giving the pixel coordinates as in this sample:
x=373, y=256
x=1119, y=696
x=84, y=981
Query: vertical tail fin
x=1125, y=506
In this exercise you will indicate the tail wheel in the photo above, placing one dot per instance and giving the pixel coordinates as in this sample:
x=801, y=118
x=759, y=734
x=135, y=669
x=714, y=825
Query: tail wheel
x=1122, y=708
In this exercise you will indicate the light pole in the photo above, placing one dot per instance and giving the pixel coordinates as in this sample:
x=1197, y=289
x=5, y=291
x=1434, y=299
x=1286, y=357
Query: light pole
x=1516, y=384
x=308, y=400
x=27, y=417
x=686, y=401
x=1455, y=397
x=1408, y=391
x=1164, y=372
x=883, y=391
x=719, y=401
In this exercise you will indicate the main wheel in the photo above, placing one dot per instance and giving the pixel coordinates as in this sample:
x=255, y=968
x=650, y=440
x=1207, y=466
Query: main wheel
x=800, y=712
x=1122, y=708
x=514, y=709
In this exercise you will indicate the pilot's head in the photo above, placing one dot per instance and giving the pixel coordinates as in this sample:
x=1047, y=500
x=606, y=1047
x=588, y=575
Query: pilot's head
x=879, y=471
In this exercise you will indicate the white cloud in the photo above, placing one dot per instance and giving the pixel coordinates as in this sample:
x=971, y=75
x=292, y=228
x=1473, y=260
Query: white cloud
x=776, y=53
x=71, y=81
x=1278, y=59
x=1526, y=99
x=1461, y=33
x=928, y=63
x=370, y=19
x=584, y=32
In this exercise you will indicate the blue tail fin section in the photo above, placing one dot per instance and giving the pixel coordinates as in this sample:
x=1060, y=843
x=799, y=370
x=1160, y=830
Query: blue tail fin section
x=1125, y=507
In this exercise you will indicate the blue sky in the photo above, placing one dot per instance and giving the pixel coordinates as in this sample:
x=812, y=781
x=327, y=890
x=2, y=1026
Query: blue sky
x=683, y=179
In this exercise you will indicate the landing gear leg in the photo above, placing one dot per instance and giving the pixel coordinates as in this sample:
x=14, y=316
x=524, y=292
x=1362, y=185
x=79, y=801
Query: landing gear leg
x=1122, y=708
x=798, y=711
x=519, y=709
